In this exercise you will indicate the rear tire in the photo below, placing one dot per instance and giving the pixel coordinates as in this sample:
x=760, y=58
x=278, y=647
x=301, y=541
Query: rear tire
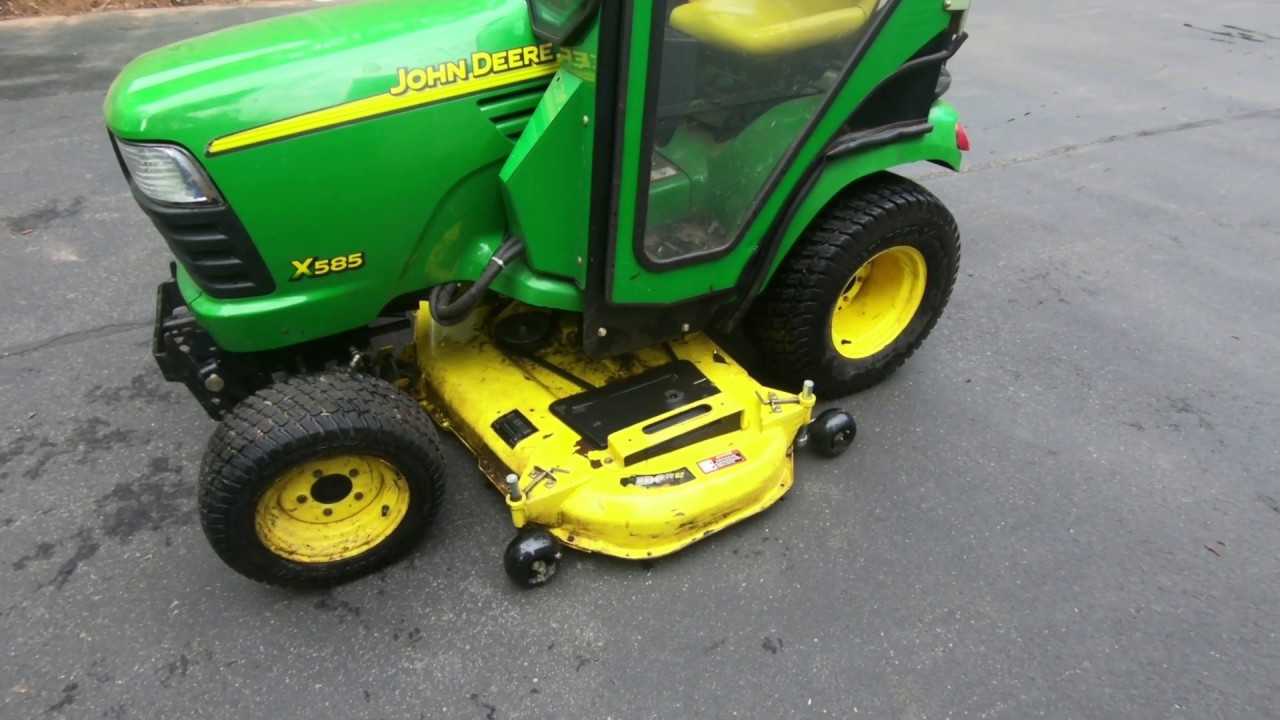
x=860, y=290
x=320, y=479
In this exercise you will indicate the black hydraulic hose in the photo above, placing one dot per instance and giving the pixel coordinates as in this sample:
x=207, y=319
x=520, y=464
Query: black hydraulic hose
x=446, y=310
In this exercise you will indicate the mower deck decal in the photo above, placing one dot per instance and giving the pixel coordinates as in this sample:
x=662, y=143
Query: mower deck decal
x=666, y=479
x=413, y=87
x=722, y=461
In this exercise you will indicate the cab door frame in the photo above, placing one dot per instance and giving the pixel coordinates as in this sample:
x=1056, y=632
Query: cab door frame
x=630, y=49
x=610, y=328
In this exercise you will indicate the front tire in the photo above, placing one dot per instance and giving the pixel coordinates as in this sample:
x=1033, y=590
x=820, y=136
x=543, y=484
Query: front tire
x=320, y=479
x=860, y=290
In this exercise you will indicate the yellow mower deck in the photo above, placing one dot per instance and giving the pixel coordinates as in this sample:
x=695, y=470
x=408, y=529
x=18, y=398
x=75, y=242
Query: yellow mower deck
x=718, y=450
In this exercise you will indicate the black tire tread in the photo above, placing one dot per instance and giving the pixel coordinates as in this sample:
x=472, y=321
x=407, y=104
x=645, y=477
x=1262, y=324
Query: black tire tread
x=788, y=322
x=299, y=416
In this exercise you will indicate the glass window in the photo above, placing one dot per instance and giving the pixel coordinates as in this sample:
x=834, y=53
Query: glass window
x=738, y=82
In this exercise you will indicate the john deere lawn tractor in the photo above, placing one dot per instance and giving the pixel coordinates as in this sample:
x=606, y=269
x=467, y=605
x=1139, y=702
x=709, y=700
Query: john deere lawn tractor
x=524, y=223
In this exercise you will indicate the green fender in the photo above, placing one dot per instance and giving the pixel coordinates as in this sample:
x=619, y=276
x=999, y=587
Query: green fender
x=939, y=146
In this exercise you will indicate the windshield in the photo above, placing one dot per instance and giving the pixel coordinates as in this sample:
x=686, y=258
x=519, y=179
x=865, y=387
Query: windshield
x=556, y=20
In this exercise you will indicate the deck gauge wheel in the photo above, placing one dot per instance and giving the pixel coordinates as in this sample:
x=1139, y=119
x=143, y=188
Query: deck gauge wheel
x=832, y=432
x=532, y=558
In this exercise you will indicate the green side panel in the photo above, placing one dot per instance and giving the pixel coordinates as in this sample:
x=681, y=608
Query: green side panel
x=547, y=180
x=419, y=211
x=939, y=146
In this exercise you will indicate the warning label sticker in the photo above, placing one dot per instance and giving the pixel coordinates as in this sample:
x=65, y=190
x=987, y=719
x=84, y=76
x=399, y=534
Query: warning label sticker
x=722, y=461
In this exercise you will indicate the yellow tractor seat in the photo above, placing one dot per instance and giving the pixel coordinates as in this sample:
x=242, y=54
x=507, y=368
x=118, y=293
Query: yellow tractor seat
x=770, y=27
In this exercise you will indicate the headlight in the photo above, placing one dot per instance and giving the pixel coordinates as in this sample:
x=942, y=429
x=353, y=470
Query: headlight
x=167, y=174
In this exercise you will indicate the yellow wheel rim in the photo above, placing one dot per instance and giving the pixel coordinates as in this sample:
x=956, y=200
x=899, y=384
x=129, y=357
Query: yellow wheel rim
x=878, y=302
x=332, y=509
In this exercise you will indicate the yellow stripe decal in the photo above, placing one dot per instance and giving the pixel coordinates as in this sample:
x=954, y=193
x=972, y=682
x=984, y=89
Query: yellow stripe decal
x=414, y=87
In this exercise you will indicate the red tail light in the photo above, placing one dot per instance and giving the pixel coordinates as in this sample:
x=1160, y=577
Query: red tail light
x=962, y=138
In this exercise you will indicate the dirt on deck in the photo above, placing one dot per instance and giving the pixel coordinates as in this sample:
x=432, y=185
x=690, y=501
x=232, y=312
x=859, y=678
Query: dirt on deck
x=34, y=8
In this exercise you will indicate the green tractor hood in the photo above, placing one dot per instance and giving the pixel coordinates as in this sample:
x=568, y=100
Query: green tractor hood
x=250, y=76
x=374, y=130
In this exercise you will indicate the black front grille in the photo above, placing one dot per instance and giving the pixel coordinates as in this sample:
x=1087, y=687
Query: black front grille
x=210, y=242
x=214, y=248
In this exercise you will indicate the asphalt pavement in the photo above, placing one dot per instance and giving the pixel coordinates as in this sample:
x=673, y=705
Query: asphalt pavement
x=1067, y=505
